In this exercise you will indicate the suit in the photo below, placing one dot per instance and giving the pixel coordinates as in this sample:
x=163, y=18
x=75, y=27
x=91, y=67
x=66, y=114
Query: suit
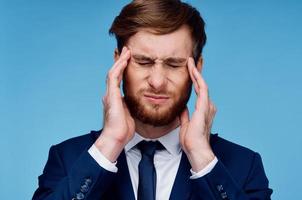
x=71, y=173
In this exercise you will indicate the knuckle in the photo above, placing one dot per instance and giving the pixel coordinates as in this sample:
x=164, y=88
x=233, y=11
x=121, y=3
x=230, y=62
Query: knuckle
x=215, y=108
x=110, y=74
x=104, y=99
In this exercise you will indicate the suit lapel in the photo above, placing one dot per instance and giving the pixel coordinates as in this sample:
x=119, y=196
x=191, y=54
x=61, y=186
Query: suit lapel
x=181, y=188
x=122, y=187
x=123, y=182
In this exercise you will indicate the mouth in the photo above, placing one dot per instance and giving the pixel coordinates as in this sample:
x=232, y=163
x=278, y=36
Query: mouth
x=156, y=99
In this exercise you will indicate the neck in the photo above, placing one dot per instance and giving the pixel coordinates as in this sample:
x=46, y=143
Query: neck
x=152, y=132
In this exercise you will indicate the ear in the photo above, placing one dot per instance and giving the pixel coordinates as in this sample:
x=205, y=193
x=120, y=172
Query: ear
x=199, y=64
x=116, y=54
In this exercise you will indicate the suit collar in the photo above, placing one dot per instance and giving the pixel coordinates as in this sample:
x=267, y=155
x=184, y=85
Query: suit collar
x=172, y=148
x=170, y=141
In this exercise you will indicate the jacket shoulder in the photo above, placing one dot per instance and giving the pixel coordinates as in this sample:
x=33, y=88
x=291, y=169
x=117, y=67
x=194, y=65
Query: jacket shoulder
x=225, y=148
x=239, y=160
x=78, y=143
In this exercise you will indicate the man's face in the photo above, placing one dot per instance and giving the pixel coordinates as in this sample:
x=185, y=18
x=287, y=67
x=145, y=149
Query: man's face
x=156, y=81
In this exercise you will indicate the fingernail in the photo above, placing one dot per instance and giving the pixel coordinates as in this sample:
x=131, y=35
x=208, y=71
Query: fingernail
x=192, y=60
x=123, y=49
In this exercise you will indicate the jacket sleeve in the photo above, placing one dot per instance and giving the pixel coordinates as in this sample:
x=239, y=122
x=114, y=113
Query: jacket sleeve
x=219, y=184
x=85, y=179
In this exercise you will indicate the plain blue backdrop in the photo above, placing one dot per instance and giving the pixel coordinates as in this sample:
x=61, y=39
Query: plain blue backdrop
x=54, y=56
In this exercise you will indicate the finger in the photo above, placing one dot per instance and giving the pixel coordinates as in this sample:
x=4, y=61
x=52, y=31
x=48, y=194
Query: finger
x=213, y=108
x=211, y=116
x=116, y=73
x=201, y=101
x=123, y=50
x=191, y=65
x=115, y=69
x=123, y=55
x=104, y=100
x=107, y=85
x=203, y=95
x=203, y=88
x=123, y=63
x=113, y=73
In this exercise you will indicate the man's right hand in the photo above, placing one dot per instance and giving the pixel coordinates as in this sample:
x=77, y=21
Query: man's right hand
x=119, y=126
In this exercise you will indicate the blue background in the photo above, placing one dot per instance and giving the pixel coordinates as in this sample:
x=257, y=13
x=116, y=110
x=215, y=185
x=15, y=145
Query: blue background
x=54, y=56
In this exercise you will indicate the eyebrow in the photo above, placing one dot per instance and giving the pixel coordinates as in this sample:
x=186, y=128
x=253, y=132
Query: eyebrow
x=169, y=59
x=142, y=57
x=175, y=60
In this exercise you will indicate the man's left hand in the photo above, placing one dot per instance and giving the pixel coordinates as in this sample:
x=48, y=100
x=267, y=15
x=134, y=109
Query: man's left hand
x=195, y=132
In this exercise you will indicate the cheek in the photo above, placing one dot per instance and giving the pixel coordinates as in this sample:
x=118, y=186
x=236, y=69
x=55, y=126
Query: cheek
x=179, y=78
x=134, y=77
x=139, y=72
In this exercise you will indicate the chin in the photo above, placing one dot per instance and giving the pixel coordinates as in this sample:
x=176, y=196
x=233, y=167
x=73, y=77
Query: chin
x=156, y=116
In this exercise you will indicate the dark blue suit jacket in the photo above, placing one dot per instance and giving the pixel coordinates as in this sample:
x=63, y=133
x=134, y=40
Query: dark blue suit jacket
x=71, y=173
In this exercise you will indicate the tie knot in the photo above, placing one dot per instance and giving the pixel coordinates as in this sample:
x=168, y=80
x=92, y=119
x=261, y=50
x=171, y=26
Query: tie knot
x=148, y=148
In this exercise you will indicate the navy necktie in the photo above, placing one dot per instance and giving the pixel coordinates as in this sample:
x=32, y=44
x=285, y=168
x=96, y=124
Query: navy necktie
x=146, y=169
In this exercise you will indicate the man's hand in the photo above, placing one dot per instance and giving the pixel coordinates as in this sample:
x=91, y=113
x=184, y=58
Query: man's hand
x=118, y=126
x=195, y=133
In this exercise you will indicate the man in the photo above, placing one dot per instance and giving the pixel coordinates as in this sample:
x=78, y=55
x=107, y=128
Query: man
x=149, y=148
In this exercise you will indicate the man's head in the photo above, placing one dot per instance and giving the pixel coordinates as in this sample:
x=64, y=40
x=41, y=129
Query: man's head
x=161, y=17
x=161, y=36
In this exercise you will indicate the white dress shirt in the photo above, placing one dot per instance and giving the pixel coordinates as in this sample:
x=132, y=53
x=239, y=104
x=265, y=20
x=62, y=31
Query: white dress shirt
x=166, y=162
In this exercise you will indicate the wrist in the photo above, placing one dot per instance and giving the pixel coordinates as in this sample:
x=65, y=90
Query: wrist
x=200, y=159
x=109, y=147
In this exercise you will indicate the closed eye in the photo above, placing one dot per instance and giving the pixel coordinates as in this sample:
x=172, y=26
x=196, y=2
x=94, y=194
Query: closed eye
x=173, y=65
x=145, y=63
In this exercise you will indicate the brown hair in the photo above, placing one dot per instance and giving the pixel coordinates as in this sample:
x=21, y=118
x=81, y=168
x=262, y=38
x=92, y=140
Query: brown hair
x=162, y=16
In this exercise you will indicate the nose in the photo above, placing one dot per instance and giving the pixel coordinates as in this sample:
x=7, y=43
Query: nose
x=157, y=78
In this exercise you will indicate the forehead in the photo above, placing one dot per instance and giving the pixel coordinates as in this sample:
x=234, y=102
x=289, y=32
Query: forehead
x=176, y=44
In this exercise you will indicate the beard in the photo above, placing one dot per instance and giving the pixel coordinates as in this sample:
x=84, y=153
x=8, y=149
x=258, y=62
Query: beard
x=154, y=114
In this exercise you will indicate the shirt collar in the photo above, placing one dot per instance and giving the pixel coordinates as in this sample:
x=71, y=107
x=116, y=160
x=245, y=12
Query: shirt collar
x=170, y=141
